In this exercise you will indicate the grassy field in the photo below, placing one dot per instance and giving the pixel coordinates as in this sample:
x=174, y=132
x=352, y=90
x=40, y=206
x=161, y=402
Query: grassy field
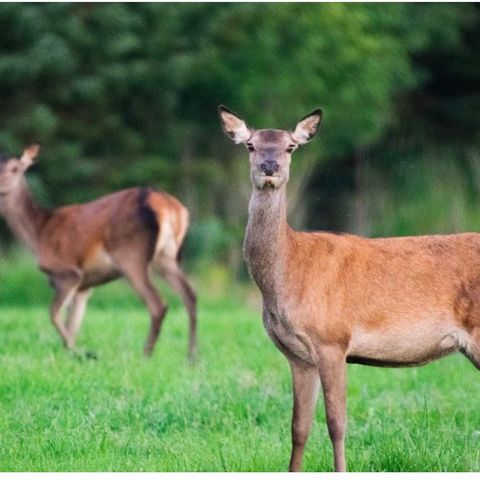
x=229, y=413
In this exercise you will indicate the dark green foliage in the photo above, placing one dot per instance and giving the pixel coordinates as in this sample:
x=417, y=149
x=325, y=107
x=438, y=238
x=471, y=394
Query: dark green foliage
x=126, y=94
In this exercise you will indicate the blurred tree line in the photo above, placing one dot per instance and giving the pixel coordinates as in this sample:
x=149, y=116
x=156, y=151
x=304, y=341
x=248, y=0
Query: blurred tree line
x=126, y=94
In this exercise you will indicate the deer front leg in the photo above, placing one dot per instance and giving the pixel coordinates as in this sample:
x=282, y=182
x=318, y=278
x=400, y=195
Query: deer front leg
x=332, y=368
x=76, y=313
x=306, y=382
x=65, y=285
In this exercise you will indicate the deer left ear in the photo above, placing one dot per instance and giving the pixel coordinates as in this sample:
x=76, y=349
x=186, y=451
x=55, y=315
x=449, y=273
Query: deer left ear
x=308, y=127
x=233, y=125
x=29, y=155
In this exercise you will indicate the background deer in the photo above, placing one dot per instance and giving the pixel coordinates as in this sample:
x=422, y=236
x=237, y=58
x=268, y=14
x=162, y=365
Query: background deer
x=82, y=246
x=331, y=299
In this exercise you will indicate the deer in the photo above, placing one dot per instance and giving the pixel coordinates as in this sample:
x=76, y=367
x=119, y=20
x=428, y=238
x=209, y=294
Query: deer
x=124, y=234
x=332, y=299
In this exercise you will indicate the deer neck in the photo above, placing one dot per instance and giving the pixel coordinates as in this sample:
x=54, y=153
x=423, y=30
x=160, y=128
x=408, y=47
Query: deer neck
x=24, y=216
x=266, y=239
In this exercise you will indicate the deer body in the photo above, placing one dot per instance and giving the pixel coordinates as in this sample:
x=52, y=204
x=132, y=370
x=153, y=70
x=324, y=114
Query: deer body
x=88, y=238
x=330, y=299
x=346, y=294
x=123, y=234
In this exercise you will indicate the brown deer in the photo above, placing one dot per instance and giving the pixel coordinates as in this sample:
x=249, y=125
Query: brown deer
x=334, y=299
x=82, y=246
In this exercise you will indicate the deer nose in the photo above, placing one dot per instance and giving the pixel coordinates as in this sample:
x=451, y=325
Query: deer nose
x=269, y=167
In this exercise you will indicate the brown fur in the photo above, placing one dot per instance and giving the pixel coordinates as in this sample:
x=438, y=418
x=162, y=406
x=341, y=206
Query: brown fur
x=82, y=246
x=329, y=299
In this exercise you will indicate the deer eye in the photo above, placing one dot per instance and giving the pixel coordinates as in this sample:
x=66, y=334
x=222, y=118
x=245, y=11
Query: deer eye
x=14, y=169
x=250, y=147
x=290, y=148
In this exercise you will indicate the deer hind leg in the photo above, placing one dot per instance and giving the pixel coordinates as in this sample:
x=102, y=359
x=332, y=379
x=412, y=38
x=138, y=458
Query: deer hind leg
x=76, y=312
x=137, y=275
x=171, y=271
x=65, y=285
x=332, y=368
x=306, y=383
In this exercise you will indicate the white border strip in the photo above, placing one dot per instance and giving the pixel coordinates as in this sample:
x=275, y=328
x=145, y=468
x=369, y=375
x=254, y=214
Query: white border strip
x=234, y=476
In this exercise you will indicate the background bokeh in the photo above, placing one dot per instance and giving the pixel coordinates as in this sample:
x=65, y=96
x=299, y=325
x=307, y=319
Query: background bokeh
x=126, y=94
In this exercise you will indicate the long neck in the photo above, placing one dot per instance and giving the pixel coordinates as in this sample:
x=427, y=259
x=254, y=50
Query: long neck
x=24, y=216
x=266, y=238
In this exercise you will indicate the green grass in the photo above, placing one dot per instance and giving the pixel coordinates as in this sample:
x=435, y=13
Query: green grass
x=231, y=412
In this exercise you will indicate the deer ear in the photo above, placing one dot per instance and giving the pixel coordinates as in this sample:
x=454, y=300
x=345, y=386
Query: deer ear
x=307, y=128
x=29, y=155
x=233, y=125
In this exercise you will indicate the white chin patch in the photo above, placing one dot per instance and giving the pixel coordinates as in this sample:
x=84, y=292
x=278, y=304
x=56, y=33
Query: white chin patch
x=262, y=182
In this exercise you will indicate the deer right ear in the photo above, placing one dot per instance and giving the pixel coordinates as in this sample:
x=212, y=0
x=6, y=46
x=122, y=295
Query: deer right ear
x=233, y=125
x=308, y=127
x=29, y=155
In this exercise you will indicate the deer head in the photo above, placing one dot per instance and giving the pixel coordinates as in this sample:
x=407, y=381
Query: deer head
x=12, y=170
x=270, y=150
